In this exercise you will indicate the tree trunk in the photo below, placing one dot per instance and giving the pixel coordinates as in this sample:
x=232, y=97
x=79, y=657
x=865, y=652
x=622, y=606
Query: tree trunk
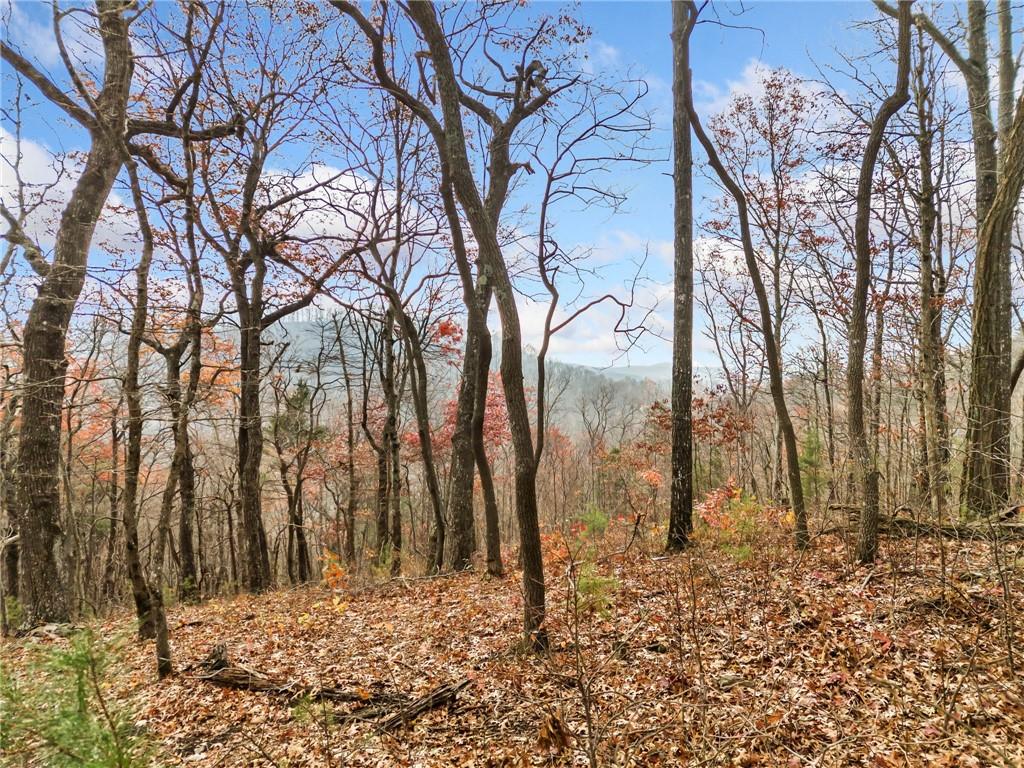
x=8, y=499
x=485, y=232
x=681, y=507
x=109, y=586
x=350, y=503
x=468, y=445
x=771, y=349
x=189, y=586
x=396, y=506
x=864, y=459
x=383, y=487
x=418, y=383
x=933, y=389
x=492, y=522
x=302, y=564
x=460, y=503
x=987, y=469
x=255, y=555
x=45, y=332
x=388, y=468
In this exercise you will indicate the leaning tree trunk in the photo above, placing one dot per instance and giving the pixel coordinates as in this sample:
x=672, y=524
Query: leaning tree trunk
x=45, y=332
x=771, y=349
x=492, y=260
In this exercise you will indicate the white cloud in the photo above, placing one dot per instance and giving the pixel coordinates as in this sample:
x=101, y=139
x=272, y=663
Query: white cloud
x=29, y=28
x=48, y=179
x=29, y=33
x=617, y=245
x=712, y=99
x=604, y=54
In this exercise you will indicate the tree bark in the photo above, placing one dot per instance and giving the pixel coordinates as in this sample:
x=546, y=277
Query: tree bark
x=454, y=147
x=189, y=584
x=864, y=458
x=41, y=588
x=681, y=506
x=109, y=586
x=987, y=466
x=350, y=435
x=8, y=500
x=492, y=521
x=255, y=554
x=460, y=505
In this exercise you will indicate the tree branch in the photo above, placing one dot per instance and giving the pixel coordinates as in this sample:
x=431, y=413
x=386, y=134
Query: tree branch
x=16, y=235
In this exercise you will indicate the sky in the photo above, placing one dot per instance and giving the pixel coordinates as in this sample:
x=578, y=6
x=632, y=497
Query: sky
x=628, y=38
x=634, y=36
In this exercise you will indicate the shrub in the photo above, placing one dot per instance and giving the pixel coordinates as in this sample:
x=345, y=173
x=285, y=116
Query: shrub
x=56, y=711
x=736, y=520
x=593, y=591
x=593, y=522
x=334, y=574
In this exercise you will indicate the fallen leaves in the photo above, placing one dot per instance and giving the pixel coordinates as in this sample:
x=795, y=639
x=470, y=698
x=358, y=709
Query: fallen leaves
x=776, y=660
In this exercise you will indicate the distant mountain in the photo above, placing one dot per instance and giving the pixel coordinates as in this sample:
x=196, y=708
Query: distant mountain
x=660, y=373
x=573, y=388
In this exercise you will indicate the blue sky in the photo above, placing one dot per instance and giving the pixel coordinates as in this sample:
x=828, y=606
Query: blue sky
x=627, y=36
x=635, y=35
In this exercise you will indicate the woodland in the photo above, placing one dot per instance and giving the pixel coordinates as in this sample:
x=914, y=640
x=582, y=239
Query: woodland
x=292, y=472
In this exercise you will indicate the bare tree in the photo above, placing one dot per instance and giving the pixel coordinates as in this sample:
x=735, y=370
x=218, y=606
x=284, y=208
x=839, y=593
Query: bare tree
x=864, y=461
x=768, y=333
x=997, y=195
x=105, y=116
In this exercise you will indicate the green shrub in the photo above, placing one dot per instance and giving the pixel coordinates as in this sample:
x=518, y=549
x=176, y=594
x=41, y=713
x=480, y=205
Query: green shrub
x=15, y=614
x=57, y=710
x=593, y=522
x=593, y=591
x=736, y=521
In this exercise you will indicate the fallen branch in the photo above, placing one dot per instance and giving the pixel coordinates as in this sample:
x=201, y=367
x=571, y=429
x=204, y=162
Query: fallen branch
x=247, y=679
x=438, y=697
x=981, y=529
x=378, y=704
x=1001, y=527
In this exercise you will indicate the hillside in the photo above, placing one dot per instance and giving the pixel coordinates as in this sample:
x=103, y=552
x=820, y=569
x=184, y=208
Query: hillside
x=719, y=656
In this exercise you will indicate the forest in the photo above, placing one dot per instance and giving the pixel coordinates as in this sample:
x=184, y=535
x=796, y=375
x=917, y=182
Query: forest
x=502, y=383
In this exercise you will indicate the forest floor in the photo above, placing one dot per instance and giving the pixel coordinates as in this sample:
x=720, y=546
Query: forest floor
x=722, y=655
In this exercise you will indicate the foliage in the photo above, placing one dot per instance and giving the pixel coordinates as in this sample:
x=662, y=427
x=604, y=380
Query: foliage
x=57, y=709
x=736, y=520
x=334, y=574
x=593, y=591
x=592, y=523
